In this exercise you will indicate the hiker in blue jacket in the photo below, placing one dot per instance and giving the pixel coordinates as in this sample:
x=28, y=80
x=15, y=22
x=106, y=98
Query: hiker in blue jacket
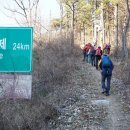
x=106, y=67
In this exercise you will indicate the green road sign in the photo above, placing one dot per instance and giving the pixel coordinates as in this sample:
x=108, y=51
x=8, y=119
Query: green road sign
x=16, y=49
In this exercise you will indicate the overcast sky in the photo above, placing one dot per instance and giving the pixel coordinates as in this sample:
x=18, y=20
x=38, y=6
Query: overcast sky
x=47, y=7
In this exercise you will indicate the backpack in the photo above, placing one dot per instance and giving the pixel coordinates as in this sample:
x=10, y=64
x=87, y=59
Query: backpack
x=106, y=62
x=108, y=46
x=98, y=52
x=93, y=52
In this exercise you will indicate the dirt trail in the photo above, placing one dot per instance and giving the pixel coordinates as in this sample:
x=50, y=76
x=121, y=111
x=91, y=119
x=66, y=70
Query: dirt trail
x=116, y=118
x=86, y=108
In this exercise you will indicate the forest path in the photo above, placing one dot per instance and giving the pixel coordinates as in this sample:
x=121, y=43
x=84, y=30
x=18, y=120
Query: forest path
x=116, y=117
x=86, y=108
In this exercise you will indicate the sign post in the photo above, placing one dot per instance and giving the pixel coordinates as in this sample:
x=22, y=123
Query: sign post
x=16, y=49
x=16, y=57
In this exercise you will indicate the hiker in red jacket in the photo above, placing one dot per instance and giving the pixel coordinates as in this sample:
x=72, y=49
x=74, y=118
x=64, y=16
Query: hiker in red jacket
x=88, y=54
x=98, y=56
x=85, y=51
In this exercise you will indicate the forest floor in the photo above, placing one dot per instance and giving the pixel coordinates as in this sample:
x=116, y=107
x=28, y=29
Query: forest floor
x=81, y=105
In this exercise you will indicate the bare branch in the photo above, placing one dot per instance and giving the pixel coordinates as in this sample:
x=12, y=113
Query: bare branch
x=33, y=4
x=17, y=22
x=36, y=11
x=18, y=4
x=5, y=13
x=24, y=9
x=14, y=11
x=127, y=5
x=69, y=6
x=44, y=27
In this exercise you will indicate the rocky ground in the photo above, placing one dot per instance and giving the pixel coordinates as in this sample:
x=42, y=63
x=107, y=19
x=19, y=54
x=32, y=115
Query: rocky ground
x=81, y=105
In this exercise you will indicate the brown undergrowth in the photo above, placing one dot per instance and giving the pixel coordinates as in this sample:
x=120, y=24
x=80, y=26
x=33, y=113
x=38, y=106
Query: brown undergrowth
x=53, y=64
x=122, y=72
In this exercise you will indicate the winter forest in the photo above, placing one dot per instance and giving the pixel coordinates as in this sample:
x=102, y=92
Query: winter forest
x=66, y=91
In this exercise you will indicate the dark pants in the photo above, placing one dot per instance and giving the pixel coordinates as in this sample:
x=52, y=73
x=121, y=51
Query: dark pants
x=108, y=50
x=98, y=58
x=106, y=85
x=89, y=58
x=84, y=54
x=93, y=60
x=86, y=58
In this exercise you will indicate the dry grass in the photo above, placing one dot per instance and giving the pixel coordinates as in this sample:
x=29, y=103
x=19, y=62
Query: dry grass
x=53, y=64
x=122, y=72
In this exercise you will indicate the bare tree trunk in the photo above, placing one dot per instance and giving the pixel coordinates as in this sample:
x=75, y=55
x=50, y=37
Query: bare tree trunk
x=73, y=20
x=125, y=31
x=84, y=33
x=67, y=25
x=80, y=33
x=109, y=38
x=102, y=27
x=94, y=24
x=50, y=32
x=116, y=27
x=30, y=13
x=61, y=15
x=93, y=33
x=35, y=21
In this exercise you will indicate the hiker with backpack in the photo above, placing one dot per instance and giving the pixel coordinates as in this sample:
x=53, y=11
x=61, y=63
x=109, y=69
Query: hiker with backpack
x=108, y=47
x=98, y=56
x=106, y=67
x=93, y=52
x=87, y=52
x=90, y=54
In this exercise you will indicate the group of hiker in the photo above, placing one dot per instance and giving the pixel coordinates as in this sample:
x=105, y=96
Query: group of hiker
x=101, y=60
